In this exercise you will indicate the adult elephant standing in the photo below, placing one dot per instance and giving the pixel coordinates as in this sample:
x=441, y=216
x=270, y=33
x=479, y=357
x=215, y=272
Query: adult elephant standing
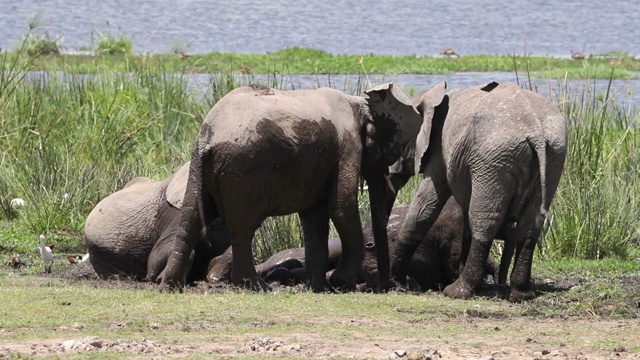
x=263, y=152
x=499, y=150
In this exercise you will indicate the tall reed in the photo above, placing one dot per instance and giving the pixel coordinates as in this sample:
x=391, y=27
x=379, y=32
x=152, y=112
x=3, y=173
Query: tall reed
x=69, y=140
x=596, y=210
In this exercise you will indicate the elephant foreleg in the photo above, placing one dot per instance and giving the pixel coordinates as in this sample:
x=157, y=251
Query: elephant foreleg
x=315, y=226
x=425, y=208
x=521, y=275
x=505, y=259
x=525, y=240
x=379, y=192
x=344, y=212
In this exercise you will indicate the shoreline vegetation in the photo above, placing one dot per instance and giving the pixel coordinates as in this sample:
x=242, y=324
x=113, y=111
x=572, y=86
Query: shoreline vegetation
x=66, y=142
x=115, y=55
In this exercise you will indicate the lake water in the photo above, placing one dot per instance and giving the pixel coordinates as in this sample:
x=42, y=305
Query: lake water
x=625, y=92
x=541, y=27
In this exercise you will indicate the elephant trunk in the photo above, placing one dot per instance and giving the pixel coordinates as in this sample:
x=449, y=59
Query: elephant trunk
x=380, y=190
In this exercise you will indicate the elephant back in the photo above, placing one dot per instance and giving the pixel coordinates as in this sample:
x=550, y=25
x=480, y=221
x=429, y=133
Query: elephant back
x=120, y=230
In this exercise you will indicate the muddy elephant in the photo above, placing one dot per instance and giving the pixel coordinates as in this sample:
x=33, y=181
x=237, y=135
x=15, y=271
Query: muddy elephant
x=263, y=152
x=130, y=233
x=499, y=150
x=434, y=265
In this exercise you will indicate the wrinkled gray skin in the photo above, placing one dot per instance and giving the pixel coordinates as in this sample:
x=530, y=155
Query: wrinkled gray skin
x=130, y=232
x=263, y=152
x=434, y=265
x=499, y=151
x=436, y=261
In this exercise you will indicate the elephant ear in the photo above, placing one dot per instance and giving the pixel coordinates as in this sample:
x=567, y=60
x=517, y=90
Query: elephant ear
x=177, y=186
x=426, y=105
x=395, y=118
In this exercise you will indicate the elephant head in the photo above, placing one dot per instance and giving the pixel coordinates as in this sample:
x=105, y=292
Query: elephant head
x=395, y=123
x=387, y=139
x=432, y=107
x=430, y=104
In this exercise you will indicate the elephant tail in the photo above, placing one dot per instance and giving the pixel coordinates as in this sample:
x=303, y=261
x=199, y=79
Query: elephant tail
x=539, y=146
x=205, y=204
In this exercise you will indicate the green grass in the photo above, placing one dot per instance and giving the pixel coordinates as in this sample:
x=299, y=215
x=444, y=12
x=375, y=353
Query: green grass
x=68, y=141
x=596, y=208
x=50, y=309
x=310, y=61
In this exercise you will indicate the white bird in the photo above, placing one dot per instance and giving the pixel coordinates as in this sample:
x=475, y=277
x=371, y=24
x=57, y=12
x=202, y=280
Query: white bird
x=47, y=255
x=17, y=203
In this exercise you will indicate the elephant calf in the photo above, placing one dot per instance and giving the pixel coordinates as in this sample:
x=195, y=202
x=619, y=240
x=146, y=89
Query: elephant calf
x=130, y=233
x=434, y=265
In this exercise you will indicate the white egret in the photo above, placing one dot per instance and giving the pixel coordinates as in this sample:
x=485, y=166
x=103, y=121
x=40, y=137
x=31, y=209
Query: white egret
x=47, y=255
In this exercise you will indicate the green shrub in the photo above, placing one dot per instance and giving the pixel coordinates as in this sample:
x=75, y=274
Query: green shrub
x=41, y=45
x=113, y=44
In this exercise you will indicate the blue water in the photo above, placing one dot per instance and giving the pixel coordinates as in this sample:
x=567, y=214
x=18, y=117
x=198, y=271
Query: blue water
x=540, y=27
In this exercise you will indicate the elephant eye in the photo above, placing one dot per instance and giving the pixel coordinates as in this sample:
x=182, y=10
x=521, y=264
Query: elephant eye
x=369, y=245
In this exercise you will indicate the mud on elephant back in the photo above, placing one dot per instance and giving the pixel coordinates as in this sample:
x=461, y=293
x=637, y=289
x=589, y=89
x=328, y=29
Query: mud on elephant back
x=499, y=150
x=264, y=152
x=130, y=233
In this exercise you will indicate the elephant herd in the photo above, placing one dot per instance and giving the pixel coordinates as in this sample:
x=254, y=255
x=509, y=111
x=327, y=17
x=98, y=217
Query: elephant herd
x=489, y=159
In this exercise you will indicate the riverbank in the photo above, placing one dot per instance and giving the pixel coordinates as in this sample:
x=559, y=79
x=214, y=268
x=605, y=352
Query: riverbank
x=296, y=60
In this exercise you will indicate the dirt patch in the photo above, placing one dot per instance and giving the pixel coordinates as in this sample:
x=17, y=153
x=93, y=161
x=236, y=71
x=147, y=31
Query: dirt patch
x=94, y=344
x=312, y=346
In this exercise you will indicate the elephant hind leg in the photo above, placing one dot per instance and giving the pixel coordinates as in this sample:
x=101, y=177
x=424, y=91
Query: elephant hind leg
x=486, y=215
x=526, y=235
x=315, y=226
x=423, y=212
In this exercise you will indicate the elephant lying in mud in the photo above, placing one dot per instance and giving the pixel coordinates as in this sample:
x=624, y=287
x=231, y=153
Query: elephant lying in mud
x=499, y=150
x=434, y=265
x=130, y=233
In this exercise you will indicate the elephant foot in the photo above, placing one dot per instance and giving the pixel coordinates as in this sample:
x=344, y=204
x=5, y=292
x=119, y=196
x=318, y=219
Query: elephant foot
x=319, y=285
x=459, y=290
x=170, y=286
x=518, y=296
x=254, y=284
x=343, y=281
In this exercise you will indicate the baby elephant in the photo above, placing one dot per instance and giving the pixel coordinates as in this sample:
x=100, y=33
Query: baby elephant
x=130, y=233
x=435, y=264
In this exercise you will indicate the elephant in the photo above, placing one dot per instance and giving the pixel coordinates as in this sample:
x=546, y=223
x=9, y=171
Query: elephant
x=263, y=152
x=499, y=150
x=285, y=267
x=434, y=265
x=130, y=233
